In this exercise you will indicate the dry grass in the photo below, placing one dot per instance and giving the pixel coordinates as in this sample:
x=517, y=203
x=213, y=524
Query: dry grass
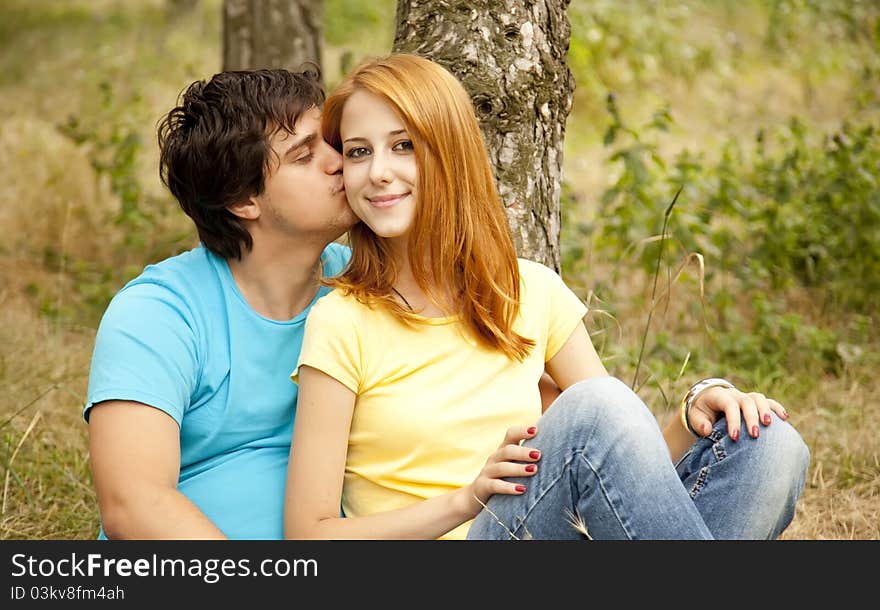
x=47, y=490
x=839, y=421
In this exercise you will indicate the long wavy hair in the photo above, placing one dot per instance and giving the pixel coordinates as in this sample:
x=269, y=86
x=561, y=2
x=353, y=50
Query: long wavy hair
x=460, y=248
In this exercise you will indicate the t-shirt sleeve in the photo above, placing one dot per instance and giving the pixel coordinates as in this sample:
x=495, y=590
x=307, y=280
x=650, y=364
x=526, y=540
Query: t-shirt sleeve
x=565, y=310
x=145, y=351
x=331, y=344
x=335, y=259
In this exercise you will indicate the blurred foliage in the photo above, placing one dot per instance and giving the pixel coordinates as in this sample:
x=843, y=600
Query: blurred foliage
x=788, y=216
x=783, y=210
x=351, y=22
x=649, y=48
x=145, y=233
x=782, y=216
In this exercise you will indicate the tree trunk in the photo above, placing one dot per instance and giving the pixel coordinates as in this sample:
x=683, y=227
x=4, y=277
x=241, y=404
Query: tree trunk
x=271, y=33
x=510, y=55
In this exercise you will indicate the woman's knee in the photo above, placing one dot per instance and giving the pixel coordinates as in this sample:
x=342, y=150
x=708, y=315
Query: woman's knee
x=600, y=403
x=785, y=448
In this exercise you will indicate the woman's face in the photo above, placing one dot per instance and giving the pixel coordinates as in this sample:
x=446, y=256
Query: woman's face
x=378, y=165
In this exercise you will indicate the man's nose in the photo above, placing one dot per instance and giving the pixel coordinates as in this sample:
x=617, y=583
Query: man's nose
x=333, y=162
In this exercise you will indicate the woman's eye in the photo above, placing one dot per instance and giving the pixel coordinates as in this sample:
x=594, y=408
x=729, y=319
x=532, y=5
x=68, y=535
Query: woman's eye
x=404, y=145
x=356, y=153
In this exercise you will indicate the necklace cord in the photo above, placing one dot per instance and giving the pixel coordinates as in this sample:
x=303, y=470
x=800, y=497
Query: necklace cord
x=402, y=297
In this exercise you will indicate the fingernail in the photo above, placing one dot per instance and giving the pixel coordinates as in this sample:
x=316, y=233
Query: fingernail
x=520, y=488
x=755, y=432
x=735, y=435
x=766, y=419
x=534, y=454
x=532, y=430
x=530, y=468
x=785, y=413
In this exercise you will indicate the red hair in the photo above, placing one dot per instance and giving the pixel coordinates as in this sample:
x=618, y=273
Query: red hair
x=460, y=238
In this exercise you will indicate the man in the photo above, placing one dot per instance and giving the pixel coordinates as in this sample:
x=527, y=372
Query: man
x=190, y=404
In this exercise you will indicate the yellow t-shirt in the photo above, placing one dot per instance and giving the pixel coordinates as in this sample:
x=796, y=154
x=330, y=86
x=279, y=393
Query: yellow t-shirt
x=431, y=404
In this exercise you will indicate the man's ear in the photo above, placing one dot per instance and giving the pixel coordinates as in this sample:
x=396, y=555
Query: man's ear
x=247, y=209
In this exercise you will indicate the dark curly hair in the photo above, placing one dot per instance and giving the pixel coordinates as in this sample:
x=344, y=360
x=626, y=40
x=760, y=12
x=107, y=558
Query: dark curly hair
x=215, y=145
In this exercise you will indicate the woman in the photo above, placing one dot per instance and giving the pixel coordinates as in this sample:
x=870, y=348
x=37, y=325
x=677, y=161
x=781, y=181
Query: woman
x=432, y=345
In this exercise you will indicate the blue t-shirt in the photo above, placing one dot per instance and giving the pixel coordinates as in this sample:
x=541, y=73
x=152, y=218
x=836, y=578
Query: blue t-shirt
x=181, y=338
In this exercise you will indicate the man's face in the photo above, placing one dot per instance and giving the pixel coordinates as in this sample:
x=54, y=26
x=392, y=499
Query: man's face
x=304, y=194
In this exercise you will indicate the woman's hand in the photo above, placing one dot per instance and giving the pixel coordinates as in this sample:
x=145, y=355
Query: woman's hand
x=510, y=460
x=711, y=403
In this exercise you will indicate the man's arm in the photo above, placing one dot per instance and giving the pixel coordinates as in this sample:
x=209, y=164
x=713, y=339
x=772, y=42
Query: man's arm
x=135, y=460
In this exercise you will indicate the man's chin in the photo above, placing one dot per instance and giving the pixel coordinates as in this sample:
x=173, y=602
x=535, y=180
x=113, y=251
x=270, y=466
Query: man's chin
x=350, y=216
x=344, y=225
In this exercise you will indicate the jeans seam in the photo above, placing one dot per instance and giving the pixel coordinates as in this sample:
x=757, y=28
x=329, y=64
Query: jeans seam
x=522, y=520
x=715, y=437
x=566, y=466
x=700, y=482
x=595, y=472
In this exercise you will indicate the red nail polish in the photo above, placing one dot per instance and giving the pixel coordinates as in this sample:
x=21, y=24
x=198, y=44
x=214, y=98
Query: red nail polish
x=735, y=435
x=520, y=488
x=785, y=414
x=532, y=430
x=755, y=431
x=766, y=419
x=530, y=468
x=534, y=454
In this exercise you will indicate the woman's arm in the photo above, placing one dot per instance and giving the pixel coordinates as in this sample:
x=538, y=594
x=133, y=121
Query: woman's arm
x=548, y=389
x=576, y=360
x=677, y=438
x=317, y=464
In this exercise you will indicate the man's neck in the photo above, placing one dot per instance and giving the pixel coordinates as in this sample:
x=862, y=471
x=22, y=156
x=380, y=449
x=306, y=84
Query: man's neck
x=278, y=283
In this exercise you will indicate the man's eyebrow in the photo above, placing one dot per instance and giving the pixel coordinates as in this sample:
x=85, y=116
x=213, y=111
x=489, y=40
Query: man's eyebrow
x=305, y=141
x=396, y=132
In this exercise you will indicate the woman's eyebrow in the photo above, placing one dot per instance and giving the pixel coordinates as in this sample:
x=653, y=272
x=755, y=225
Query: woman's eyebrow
x=396, y=132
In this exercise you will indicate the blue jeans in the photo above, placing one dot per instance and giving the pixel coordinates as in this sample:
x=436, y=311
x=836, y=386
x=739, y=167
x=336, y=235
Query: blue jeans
x=604, y=464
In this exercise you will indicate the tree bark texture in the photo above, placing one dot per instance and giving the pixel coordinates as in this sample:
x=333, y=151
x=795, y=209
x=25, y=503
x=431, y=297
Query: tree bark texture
x=271, y=33
x=510, y=55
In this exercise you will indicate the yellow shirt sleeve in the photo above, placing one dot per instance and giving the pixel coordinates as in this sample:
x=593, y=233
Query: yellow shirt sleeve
x=563, y=308
x=332, y=343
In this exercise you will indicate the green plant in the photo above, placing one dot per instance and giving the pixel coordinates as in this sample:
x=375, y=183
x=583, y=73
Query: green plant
x=795, y=217
x=114, y=146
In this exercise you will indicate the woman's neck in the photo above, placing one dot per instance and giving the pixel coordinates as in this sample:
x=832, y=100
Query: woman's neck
x=411, y=295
